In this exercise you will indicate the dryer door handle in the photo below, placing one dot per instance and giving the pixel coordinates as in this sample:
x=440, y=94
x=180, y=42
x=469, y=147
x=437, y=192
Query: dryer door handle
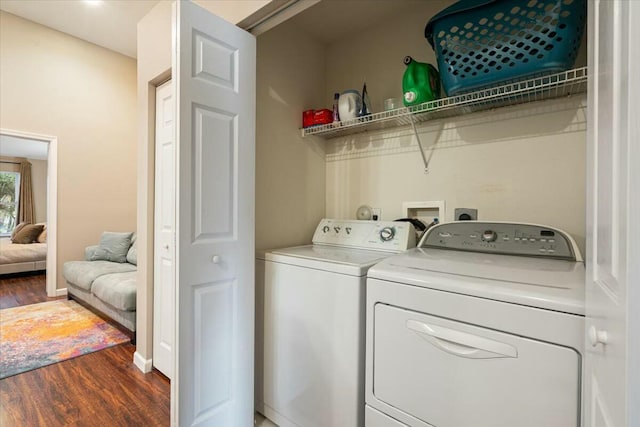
x=461, y=343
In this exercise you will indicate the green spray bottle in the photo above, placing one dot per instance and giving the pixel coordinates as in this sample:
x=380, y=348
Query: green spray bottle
x=420, y=83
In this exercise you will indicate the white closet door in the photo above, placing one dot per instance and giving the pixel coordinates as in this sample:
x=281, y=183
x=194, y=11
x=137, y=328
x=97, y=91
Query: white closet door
x=612, y=377
x=164, y=233
x=214, y=77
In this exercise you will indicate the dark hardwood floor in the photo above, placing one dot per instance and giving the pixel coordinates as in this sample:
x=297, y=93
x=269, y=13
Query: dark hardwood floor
x=23, y=289
x=103, y=388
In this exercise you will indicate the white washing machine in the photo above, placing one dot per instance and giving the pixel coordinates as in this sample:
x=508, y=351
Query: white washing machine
x=482, y=325
x=310, y=345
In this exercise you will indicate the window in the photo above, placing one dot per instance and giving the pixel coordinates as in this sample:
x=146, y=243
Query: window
x=9, y=193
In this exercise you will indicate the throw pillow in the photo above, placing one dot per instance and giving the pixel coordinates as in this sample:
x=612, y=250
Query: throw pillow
x=113, y=247
x=42, y=237
x=132, y=255
x=89, y=251
x=18, y=228
x=27, y=234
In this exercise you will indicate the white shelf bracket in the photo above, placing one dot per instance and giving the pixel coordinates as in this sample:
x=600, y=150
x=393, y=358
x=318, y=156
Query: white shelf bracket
x=420, y=147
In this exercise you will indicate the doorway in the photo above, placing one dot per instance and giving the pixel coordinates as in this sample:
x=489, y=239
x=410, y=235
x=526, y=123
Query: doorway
x=51, y=200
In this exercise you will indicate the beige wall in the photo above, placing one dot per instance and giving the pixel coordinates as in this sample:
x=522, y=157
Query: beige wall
x=521, y=164
x=39, y=181
x=290, y=170
x=154, y=66
x=55, y=84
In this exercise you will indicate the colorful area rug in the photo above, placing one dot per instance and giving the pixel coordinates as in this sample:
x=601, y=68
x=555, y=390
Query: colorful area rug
x=37, y=335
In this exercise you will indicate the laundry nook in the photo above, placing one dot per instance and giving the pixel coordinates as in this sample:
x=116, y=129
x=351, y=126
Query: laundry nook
x=320, y=213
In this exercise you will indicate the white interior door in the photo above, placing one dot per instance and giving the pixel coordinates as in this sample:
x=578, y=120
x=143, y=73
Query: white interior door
x=164, y=232
x=612, y=377
x=214, y=78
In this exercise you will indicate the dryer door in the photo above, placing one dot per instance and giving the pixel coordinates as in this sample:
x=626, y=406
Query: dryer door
x=451, y=374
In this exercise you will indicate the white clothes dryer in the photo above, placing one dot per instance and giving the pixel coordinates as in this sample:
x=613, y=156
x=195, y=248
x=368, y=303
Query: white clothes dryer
x=310, y=332
x=481, y=325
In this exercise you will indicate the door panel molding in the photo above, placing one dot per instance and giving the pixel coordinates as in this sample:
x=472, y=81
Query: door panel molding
x=164, y=273
x=611, y=336
x=214, y=64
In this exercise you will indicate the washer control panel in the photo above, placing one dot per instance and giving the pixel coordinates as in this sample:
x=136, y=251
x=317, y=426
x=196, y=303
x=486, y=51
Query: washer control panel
x=502, y=238
x=377, y=235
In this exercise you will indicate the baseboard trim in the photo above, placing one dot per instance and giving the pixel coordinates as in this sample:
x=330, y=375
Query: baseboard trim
x=145, y=365
x=61, y=292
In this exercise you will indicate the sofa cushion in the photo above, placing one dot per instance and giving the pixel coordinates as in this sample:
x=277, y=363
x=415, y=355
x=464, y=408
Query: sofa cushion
x=117, y=289
x=132, y=255
x=112, y=247
x=83, y=273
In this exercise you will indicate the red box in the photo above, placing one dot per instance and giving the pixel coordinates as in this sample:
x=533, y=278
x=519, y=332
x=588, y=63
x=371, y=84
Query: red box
x=322, y=117
x=307, y=118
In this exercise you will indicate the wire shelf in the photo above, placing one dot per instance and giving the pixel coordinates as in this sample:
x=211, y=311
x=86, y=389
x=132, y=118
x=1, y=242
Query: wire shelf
x=522, y=92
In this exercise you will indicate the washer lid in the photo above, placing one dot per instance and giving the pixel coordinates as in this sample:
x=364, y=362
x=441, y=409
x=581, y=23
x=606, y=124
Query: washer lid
x=355, y=262
x=543, y=283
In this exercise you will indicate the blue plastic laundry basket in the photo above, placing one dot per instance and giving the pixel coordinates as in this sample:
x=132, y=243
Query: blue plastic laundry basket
x=482, y=43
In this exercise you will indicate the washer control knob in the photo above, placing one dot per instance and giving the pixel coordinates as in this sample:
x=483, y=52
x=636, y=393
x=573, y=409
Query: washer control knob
x=387, y=233
x=325, y=229
x=489, y=236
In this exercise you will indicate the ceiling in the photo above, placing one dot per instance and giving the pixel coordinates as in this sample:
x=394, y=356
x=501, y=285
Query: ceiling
x=330, y=21
x=112, y=24
x=12, y=146
x=108, y=23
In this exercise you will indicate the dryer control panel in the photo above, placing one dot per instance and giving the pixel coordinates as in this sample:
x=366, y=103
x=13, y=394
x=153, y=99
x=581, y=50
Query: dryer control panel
x=388, y=236
x=505, y=238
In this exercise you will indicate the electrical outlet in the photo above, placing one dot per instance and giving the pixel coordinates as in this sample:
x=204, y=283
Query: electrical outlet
x=465, y=214
x=376, y=214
